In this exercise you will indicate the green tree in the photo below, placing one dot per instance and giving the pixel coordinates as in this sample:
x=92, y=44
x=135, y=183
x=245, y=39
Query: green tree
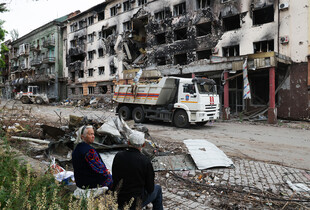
x=3, y=48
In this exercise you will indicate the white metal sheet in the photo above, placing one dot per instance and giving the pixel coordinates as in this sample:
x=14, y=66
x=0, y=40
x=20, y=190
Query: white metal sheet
x=207, y=155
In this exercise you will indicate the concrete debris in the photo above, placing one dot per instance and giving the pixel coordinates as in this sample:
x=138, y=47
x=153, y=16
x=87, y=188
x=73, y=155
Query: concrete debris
x=30, y=139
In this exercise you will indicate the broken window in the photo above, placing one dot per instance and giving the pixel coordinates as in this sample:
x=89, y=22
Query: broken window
x=73, y=76
x=161, y=61
x=91, y=20
x=141, y=2
x=263, y=46
x=203, y=3
x=101, y=15
x=91, y=90
x=112, y=69
x=161, y=15
x=109, y=31
x=231, y=51
x=127, y=26
x=99, y=34
x=100, y=52
x=90, y=37
x=126, y=6
x=160, y=38
x=90, y=72
x=113, y=11
x=203, y=29
x=73, y=27
x=231, y=23
x=180, y=59
x=81, y=90
x=101, y=70
x=73, y=43
x=103, y=89
x=90, y=55
x=81, y=74
x=72, y=91
x=264, y=15
x=82, y=24
x=179, y=9
x=204, y=54
x=180, y=34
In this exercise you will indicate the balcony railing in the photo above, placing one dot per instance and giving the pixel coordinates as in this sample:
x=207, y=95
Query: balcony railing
x=24, y=53
x=35, y=48
x=49, y=59
x=77, y=50
x=49, y=43
x=36, y=62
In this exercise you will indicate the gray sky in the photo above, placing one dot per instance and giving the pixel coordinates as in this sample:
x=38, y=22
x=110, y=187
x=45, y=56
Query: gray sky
x=27, y=15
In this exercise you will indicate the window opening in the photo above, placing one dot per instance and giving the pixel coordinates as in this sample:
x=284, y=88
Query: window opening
x=91, y=90
x=231, y=23
x=161, y=61
x=204, y=54
x=180, y=59
x=101, y=70
x=203, y=3
x=263, y=46
x=231, y=51
x=90, y=72
x=113, y=11
x=179, y=9
x=160, y=38
x=90, y=20
x=126, y=6
x=264, y=15
x=127, y=26
x=81, y=90
x=100, y=15
x=81, y=74
x=90, y=55
x=100, y=52
x=180, y=34
x=203, y=29
x=141, y=2
x=103, y=89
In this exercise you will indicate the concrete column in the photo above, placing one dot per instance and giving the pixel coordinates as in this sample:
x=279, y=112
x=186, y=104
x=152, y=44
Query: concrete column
x=226, y=111
x=272, y=110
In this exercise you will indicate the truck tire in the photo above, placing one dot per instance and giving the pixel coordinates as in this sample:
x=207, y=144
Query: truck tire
x=38, y=100
x=138, y=115
x=25, y=100
x=180, y=119
x=125, y=113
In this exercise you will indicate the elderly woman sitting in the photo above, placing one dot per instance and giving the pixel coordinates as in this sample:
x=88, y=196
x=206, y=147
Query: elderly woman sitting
x=89, y=169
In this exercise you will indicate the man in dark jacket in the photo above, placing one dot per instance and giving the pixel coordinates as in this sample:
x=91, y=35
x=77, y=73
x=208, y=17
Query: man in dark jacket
x=133, y=174
x=89, y=169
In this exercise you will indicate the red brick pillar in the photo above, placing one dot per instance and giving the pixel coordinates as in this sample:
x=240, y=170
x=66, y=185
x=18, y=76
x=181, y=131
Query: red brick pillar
x=226, y=111
x=272, y=110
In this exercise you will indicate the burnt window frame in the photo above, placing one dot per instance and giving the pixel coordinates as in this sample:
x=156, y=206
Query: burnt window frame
x=176, y=35
x=161, y=34
x=81, y=74
x=236, y=49
x=179, y=9
x=254, y=12
x=205, y=34
x=199, y=52
x=200, y=4
x=229, y=27
x=126, y=6
x=185, y=62
x=101, y=15
x=100, y=52
x=113, y=69
x=103, y=89
x=268, y=43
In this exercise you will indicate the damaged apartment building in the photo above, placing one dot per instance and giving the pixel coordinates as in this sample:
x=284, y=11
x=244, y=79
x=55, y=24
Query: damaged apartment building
x=36, y=60
x=217, y=39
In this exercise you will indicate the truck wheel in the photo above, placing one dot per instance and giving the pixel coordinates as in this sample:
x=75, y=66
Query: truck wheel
x=25, y=100
x=138, y=115
x=125, y=113
x=38, y=100
x=180, y=119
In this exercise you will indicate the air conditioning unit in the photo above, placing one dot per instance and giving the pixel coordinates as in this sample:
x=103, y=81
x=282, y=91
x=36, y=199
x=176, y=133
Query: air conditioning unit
x=284, y=39
x=118, y=5
x=283, y=6
x=215, y=50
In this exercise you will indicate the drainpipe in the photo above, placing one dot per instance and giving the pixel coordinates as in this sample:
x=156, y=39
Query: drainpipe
x=226, y=111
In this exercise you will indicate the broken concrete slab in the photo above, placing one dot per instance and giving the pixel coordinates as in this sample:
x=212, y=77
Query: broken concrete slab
x=207, y=155
x=173, y=163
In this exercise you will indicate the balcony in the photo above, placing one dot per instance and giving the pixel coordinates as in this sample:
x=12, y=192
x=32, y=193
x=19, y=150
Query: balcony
x=24, y=53
x=23, y=66
x=76, y=66
x=41, y=78
x=79, y=50
x=36, y=62
x=49, y=60
x=35, y=48
x=49, y=43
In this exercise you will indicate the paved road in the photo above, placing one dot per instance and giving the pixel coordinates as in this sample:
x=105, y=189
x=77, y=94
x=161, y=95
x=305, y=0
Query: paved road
x=287, y=146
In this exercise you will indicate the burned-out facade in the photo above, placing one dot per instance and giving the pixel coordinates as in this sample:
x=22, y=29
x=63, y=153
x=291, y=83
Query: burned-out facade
x=215, y=39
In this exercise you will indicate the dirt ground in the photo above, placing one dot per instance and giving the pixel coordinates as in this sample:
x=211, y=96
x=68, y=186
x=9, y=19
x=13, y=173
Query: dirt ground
x=287, y=142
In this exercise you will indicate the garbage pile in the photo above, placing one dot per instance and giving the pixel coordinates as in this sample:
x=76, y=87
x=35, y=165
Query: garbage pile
x=93, y=102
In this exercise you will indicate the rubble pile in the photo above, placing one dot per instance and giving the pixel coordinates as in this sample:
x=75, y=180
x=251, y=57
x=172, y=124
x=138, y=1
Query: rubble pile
x=104, y=102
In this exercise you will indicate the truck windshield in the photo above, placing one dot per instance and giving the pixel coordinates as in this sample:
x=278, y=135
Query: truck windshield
x=205, y=88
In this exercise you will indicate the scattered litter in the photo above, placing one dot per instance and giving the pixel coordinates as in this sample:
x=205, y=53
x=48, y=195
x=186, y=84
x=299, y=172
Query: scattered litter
x=30, y=139
x=298, y=187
